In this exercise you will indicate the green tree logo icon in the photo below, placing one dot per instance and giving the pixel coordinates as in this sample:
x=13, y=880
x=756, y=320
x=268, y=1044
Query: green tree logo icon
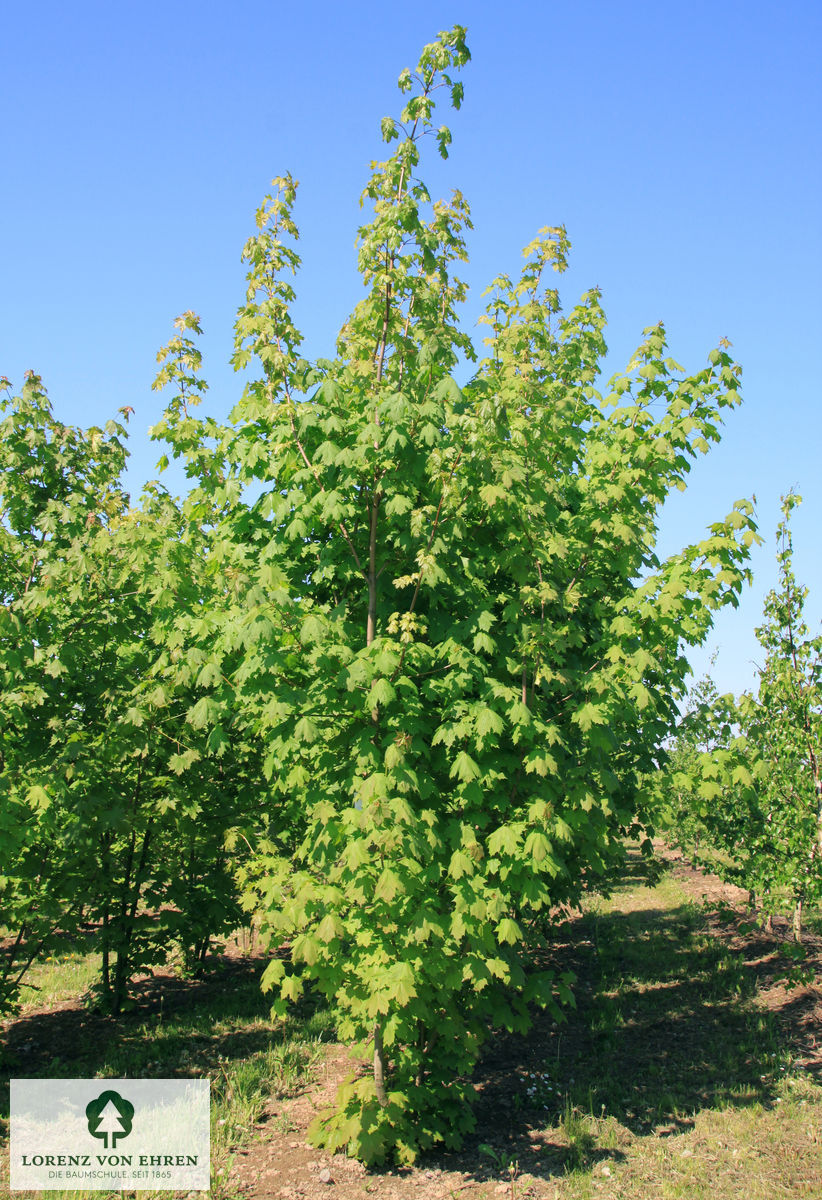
x=109, y=1116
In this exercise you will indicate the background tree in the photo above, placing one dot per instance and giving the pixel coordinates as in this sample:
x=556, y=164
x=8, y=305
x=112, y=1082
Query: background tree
x=116, y=799
x=758, y=791
x=706, y=728
x=57, y=484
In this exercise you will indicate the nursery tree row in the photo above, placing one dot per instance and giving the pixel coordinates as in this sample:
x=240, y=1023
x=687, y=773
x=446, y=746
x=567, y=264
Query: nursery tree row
x=117, y=796
x=742, y=785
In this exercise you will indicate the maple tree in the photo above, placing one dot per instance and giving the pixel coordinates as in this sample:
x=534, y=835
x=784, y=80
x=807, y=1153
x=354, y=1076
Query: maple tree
x=435, y=614
x=98, y=824
x=455, y=640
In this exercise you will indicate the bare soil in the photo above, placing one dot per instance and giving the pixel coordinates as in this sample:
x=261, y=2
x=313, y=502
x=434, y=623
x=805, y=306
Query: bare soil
x=279, y=1163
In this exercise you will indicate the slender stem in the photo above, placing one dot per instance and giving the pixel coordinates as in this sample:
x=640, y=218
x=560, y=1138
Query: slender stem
x=33, y=570
x=379, y=1066
x=371, y=624
x=385, y=320
x=797, y=921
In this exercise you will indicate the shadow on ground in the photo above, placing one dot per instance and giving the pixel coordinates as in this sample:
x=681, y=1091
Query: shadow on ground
x=665, y=1026
x=174, y=1027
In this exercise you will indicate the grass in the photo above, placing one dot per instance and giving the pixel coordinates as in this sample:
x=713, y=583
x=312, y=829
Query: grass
x=58, y=978
x=671, y=1080
x=218, y=1028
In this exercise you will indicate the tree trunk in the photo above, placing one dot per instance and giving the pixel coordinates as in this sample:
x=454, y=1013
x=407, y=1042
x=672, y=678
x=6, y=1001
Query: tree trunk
x=379, y=1066
x=105, y=972
x=371, y=621
x=121, y=975
x=421, y=1049
x=797, y=921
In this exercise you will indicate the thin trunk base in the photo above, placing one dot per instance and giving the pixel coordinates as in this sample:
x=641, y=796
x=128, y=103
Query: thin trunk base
x=379, y=1067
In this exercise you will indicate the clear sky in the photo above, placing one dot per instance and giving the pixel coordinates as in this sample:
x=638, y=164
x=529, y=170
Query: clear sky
x=679, y=143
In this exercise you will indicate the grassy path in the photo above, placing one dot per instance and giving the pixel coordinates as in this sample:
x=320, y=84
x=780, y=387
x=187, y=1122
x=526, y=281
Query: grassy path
x=684, y=1071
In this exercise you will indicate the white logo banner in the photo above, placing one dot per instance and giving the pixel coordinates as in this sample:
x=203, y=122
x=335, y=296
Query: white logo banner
x=110, y=1134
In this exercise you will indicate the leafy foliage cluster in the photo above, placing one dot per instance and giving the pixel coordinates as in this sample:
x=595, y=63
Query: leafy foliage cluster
x=744, y=774
x=116, y=793
x=423, y=625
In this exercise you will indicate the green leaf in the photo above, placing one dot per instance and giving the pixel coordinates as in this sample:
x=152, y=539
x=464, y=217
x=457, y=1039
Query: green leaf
x=382, y=692
x=490, y=493
x=306, y=730
x=178, y=763
x=205, y=712
x=508, y=931
x=272, y=974
x=305, y=949
x=464, y=768
x=330, y=927
x=37, y=798
x=460, y=865
x=504, y=840
x=589, y=714
x=291, y=988
x=538, y=846
x=401, y=985
x=388, y=886
x=489, y=722
x=209, y=675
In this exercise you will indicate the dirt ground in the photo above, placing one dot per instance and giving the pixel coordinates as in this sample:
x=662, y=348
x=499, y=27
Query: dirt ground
x=281, y=1165
x=798, y=1010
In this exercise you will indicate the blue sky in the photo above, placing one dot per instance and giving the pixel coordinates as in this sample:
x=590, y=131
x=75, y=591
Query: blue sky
x=679, y=143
